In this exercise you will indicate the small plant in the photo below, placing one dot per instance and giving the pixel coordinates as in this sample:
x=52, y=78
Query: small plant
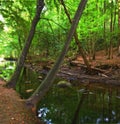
x=6, y=70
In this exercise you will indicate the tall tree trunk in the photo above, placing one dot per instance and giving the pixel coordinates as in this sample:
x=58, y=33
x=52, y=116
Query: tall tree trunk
x=104, y=26
x=76, y=37
x=12, y=82
x=118, y=1
x=94, y=47
x=48, y=81
x=110, y=54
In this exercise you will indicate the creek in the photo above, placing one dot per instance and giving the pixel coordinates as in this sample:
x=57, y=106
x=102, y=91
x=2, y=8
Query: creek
x=94, y=103
x=86, y=103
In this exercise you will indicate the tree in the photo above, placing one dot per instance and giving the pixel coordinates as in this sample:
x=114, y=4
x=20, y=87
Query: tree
x=118, y=1
x=110, y=54
x=104, y=23
x=48, y=81
x=18, y=16
x=13, y=12
x=76, y=37
x=12, y=82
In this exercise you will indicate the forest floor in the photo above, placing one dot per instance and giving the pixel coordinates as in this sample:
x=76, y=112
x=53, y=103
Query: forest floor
x=13, y=109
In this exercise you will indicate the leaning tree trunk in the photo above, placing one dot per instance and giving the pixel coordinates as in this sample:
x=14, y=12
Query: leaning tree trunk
x=76, y=37
x=48, y=81
x=12, y=82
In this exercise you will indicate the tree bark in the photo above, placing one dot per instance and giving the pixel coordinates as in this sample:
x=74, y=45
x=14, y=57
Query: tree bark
x=110, y=54
x=48, y=81
x=76, y=37
x=118, y=2
x=13, y=80
x=104, y=26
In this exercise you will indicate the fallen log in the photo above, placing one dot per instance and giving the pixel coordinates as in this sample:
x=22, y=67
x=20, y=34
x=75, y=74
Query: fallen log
x=90, y=71
x=101, y=80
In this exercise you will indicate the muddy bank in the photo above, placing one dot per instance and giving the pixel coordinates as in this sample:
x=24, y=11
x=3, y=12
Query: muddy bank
x=13, y=110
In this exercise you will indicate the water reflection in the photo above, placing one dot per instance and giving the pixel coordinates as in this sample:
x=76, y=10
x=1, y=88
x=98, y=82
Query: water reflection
x=42, y=113
x=99, y=105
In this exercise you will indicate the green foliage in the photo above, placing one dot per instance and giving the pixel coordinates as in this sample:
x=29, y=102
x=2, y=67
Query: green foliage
x=6, y=69
x=52, y=29
x=10, y=47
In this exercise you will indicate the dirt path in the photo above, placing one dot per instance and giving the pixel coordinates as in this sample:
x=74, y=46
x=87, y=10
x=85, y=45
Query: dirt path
x=13, y=109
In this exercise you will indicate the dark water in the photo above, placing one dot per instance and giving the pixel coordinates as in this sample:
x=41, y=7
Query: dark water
x=95, y=104
x=98, y=105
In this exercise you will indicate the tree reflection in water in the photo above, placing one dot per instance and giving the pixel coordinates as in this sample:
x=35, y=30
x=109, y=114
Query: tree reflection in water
x=99, y=105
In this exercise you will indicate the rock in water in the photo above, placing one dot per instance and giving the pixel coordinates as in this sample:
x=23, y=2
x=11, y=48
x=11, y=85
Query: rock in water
x=64, y=84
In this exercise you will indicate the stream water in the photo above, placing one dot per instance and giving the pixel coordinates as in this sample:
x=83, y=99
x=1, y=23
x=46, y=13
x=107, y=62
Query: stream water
x=94, y=104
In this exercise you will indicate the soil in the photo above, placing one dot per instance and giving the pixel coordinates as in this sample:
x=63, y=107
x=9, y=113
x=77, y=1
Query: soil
x=13, y=109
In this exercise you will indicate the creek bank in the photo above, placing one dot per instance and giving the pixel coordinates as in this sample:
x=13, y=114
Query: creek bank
x=13, y=109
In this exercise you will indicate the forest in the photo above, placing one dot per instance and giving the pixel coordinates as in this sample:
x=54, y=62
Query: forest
x=63, y=59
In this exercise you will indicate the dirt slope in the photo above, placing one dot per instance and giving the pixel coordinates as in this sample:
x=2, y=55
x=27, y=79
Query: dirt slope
x=13, y=109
